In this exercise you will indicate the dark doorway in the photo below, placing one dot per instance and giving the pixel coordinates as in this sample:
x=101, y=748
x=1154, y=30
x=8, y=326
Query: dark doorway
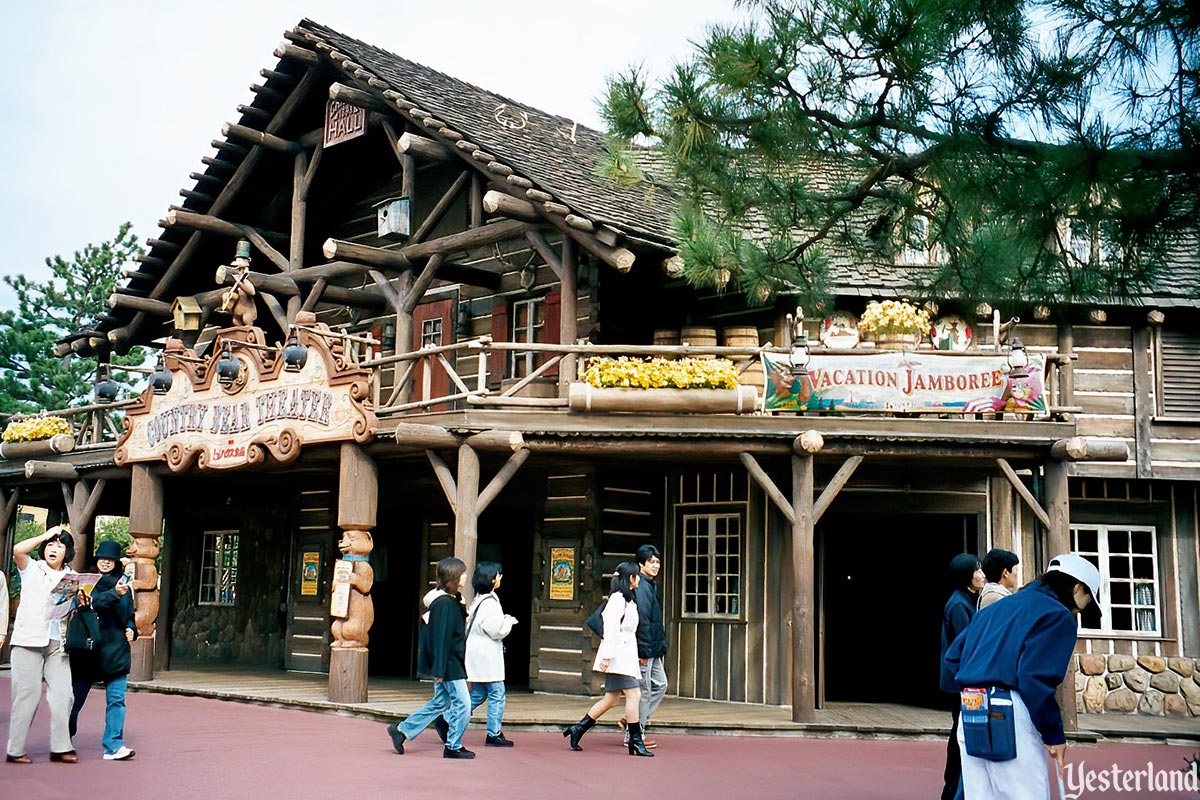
x=885, y=586
x=506, y=535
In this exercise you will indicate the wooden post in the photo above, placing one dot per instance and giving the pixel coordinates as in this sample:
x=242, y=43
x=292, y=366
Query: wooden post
x=466, y=518
x=1066, y=346
x=145, y=526
x=1003, y=531
x=803, y=661
x=299, y=209
x=1058, y=540
x=567, y=313
x=358, y=499
x=80, y=501
x=1143, y=408
x=404, y=329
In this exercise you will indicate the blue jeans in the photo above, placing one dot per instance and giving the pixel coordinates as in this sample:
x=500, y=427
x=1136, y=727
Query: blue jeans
x=493, y=692
x=114, y=715
x=450, y=700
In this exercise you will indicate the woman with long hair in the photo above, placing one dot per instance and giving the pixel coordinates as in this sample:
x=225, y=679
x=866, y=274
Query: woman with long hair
x=113, y=603
x=441, y=655
x=617, y=658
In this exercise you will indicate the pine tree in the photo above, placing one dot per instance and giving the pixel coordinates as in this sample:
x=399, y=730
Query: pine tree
x=31, y=377
x=1042, y=149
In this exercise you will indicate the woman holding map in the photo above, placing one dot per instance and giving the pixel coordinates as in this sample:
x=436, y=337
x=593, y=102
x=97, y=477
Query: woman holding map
x=37, y=647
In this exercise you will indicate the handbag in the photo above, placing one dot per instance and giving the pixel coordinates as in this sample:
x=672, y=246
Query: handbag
x=595, y=621
x=83, y=631
x=988, y=724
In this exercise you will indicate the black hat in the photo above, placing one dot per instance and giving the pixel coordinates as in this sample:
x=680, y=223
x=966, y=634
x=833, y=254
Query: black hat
x=108, y=549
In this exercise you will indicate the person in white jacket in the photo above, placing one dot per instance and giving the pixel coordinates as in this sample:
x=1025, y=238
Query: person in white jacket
x=487, y=625
x=617, y=658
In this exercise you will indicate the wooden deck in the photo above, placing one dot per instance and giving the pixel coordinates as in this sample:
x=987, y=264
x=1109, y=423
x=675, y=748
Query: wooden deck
x=391, y=698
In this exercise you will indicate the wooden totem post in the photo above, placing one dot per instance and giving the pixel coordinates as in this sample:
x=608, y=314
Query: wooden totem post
x=352, y=609
x=804, y=699
x=145, y=525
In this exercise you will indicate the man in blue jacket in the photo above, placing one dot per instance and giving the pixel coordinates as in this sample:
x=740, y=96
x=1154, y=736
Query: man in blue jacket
x=966, y=576
x=1024, y=645
x=651, y=637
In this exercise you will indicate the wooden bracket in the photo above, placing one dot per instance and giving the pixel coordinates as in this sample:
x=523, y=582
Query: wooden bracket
x=764, y=480
x=830, y=493
x=501, y=479
x=1024, y=492
x=445, y=478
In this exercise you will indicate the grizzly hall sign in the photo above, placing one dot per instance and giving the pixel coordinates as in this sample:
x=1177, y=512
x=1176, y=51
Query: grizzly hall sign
x=265, y=410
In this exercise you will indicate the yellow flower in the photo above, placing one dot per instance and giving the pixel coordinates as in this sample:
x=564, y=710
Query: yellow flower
x=659, y=373
x=32, y=429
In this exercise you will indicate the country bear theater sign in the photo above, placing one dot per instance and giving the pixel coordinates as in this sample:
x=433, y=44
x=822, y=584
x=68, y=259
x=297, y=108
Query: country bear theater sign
x=265, y=410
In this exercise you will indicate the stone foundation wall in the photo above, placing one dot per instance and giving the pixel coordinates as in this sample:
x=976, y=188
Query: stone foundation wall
x=1152, y=685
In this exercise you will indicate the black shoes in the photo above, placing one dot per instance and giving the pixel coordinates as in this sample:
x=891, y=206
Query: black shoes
x=575, y=732
x=442, y=727
x=497, y=741
x=637, y=747
x=397, y=737
x=462, y=752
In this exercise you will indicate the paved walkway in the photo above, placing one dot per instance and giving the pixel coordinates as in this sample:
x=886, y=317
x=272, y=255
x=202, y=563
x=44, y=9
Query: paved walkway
x=390, y=698
x=190, y=748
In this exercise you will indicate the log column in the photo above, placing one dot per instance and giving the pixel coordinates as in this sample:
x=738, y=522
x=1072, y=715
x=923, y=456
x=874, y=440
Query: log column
x=567, y=330
x=358, y=499
x=145, y=526
x=804, y=708
x=1058, y=540
x=466, y=515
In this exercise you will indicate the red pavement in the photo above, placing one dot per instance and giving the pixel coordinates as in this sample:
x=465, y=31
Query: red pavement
x=197, y=748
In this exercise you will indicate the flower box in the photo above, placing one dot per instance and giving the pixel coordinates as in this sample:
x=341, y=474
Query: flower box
x=583, y=397
x=59, y=443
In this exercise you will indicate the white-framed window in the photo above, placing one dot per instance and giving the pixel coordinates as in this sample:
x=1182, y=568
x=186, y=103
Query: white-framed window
x=431, y=332
x=712, y=563
x=1130, y=592
x=219, y=568
x=527, y=319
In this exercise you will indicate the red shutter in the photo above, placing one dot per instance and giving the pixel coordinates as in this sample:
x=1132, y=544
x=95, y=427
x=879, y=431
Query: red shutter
x=498, y=360
x=551, y=313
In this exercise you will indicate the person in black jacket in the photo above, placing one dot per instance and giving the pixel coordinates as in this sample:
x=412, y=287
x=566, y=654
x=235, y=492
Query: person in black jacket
x=112, y=601
x=966, y=575
x=441, y=655
x=651, y=639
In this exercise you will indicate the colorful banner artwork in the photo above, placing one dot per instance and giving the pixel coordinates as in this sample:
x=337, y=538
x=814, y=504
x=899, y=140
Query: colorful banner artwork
x=905, y=381
x=562, y=573
x=310, y=574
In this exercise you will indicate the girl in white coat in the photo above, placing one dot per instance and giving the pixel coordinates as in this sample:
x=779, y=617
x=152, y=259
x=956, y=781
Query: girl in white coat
x=617, y=658
x=487, y=625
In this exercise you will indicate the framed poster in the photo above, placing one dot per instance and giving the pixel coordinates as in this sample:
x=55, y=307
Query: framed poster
x=339, y=603
x=310, y=574
x=563, y=577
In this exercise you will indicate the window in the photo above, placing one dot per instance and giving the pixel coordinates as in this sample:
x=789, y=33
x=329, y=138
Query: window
x=712, y=564
x=1128, y=561
x=431, y=332
x=1178, y=355
x=528, y=320
x=219, y=568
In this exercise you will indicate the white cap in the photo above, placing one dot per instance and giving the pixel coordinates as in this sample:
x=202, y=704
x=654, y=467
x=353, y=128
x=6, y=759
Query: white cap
x=1078, y=568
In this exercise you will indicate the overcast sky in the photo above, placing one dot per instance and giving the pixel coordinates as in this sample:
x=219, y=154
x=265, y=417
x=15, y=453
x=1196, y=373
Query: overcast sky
x=108, y=106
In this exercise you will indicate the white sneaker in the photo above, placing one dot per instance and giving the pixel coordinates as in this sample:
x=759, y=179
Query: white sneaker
x=124, y=754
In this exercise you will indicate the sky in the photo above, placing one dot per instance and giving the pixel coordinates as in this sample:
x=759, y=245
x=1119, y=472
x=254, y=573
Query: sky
x=108, y=106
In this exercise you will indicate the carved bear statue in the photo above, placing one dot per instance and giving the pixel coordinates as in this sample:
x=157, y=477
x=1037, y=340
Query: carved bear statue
x=144, y=551
x=352, y=631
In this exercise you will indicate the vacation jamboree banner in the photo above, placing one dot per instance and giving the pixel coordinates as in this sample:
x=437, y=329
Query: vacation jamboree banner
x=904, y=381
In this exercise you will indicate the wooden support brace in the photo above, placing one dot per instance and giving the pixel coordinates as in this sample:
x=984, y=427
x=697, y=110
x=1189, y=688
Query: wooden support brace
x=410, y=300
x=385, y=286
x=1023, y=492
x=278, y=312
x=497, y=484
x=544, y=250
x=445, y=477
x=772, y=491
x=213, y=224
x=840, y=478
x=439, y=210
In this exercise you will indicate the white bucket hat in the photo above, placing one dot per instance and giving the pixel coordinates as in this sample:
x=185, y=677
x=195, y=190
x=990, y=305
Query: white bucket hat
x=1078, y=568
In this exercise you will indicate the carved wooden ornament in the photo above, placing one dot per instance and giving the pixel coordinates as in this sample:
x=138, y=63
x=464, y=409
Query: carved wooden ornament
x=267, y=410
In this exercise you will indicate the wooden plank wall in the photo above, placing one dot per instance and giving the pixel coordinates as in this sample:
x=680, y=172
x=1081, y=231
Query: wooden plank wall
x=560, y=658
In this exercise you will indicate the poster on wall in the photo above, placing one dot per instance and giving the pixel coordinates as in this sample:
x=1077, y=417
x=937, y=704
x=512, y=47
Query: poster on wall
x=562, y=573
x=905, y=381
x=310, y=574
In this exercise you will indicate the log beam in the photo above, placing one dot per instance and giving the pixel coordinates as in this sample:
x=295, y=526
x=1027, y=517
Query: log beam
x=1058, y=540
x=543, y=248
x=49, y=471
x=263, y=139
x=356, y=97
x=1083, y=448
x=804, y=707
x=768, y=486
x=466, y=521
x=495, y=202
x=568, y=313
x=497, y=484
x=439, y=209
x=835, y=485
x=425, y=437
x=213, y=224
x=158, y=308
x=446, y=478
x=421, y=147
x=1023, y=491
x=399, y=259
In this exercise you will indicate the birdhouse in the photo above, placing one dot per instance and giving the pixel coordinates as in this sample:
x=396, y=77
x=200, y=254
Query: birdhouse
x=186, y=312
x=393, y=217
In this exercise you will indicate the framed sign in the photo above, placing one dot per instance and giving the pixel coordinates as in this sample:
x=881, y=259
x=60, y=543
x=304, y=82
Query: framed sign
x=343, y=122
x=563, y=576
x=310, y=574
x=339, y=603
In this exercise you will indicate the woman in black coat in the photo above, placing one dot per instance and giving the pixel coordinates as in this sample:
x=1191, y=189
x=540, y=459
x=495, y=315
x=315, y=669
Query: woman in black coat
x=112, y=601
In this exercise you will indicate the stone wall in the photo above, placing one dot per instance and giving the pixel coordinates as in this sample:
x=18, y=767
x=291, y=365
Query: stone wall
x=1152, y=685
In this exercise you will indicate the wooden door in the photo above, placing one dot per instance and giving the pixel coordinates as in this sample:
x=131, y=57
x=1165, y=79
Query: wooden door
x=308, y=634
x=432, y=326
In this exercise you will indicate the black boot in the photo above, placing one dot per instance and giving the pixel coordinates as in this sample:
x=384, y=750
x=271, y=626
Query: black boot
x=576, y=731
x=636, y=746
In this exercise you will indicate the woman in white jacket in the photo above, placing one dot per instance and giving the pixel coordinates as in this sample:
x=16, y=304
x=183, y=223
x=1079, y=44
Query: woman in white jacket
x=487, y=625
x=617, y=658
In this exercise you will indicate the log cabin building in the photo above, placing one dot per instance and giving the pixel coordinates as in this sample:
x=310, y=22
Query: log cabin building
x=432, y=264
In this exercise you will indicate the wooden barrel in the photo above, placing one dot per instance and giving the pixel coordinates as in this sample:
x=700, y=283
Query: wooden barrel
x=698, y=336
x=666, y=337
x=747, y=336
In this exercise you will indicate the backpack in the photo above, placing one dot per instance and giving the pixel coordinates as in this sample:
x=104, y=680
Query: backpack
x=83, y=631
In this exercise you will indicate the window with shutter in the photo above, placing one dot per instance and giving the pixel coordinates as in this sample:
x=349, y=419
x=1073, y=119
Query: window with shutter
x=1179, y=368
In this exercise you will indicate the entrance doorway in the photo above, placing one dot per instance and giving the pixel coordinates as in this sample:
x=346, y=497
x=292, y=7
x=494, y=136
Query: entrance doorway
x=506, y=535
x=884, y=586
